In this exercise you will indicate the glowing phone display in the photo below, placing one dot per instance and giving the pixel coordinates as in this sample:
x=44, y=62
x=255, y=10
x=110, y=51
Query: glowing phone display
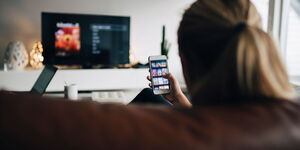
x=158, y=68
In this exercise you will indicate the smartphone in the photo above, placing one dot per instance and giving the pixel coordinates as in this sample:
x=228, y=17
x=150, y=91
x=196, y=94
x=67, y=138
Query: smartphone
x=158, y=67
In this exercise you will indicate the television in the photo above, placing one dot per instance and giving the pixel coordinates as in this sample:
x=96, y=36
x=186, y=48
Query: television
x=87, y=40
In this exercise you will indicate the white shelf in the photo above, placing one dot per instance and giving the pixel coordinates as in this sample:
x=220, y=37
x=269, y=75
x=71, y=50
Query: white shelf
x=86, y=79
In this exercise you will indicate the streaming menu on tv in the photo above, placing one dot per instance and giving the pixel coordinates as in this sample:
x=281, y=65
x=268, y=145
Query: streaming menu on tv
x=100, y=32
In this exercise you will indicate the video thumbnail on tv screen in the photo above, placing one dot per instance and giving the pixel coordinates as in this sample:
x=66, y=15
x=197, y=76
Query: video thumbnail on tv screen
x=67, y=39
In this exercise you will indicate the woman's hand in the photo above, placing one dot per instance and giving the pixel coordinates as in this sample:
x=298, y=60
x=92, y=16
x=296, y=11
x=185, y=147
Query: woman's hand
x=176, y=96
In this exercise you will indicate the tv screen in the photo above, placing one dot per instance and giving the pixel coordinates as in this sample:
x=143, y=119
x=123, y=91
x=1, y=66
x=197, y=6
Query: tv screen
x=80, y=39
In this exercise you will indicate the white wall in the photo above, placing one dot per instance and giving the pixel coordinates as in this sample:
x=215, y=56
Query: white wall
x=21, y=20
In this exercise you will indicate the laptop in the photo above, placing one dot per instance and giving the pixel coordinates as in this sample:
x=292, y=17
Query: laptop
x=43, y=80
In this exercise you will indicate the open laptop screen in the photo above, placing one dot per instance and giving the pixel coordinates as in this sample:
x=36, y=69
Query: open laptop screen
x=43, y=80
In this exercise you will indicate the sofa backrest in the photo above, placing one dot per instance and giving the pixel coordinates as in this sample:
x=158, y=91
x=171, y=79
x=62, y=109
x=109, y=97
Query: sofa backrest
x=30, y=122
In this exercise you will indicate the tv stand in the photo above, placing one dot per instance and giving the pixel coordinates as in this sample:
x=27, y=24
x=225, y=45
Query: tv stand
x=86, y=79
x=68, y=67
x=87, y=66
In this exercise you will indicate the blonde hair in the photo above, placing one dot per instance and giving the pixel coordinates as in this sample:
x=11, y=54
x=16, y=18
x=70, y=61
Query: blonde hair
x=236, y=58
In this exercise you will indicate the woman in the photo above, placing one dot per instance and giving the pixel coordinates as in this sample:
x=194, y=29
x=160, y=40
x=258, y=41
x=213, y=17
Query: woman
x=226, y=59
x=226, y=56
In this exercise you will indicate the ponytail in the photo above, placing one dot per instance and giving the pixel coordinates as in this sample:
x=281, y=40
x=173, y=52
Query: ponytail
x=225, y=59
x=259, y=68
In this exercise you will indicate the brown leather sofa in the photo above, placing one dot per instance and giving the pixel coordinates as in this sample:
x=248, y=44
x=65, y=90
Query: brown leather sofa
x=31, y=122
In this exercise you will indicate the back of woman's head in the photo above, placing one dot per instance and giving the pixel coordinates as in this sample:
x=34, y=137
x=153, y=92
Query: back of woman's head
x=228, y=54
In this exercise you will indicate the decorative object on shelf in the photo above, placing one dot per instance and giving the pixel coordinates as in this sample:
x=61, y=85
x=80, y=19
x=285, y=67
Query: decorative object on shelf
x=36, y=56
x=15, y=56
x=165, y=45
x=5, y=67
x=132, y=57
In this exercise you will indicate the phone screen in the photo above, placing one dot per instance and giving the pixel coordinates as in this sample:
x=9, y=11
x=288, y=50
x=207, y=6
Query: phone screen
x=158, y=69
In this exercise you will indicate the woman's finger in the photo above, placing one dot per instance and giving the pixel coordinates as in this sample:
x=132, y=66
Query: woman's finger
x=150, y=85
x=172, y=79
x=149, y=78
